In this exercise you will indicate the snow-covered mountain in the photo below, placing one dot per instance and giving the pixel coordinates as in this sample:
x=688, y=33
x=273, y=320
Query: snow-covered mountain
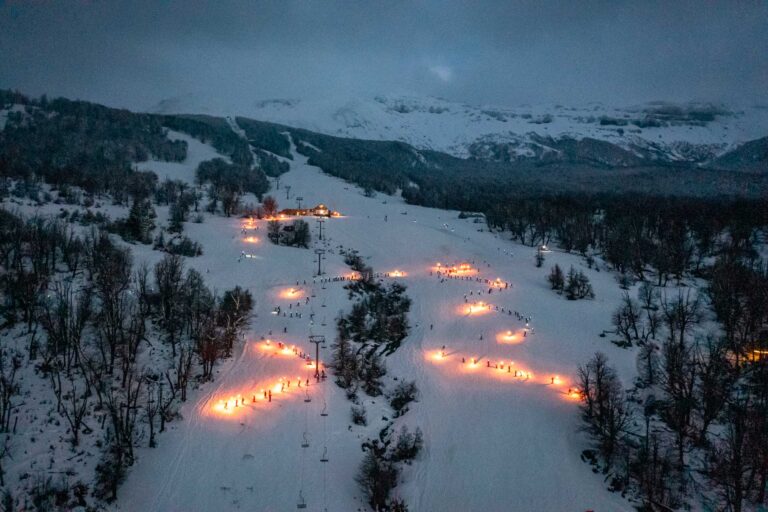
x=694, y=132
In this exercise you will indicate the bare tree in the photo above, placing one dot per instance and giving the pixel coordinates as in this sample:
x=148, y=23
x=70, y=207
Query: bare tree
x=73, y=394
x=153, y=397
x=64, y=316
x=680, y=315
x=604, y=409
x=10, y=363
x=678, y=382
x=169, y=280
x=730, y=458
x=714, y=383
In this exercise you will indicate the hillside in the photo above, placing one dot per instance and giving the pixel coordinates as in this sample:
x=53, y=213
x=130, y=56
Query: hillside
x=660, y=131
x=160, y=302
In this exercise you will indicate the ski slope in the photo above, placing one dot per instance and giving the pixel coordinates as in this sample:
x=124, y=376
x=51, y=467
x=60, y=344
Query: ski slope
x=493, y=442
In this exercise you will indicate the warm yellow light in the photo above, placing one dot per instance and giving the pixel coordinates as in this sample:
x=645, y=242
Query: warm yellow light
x=291, y=293
x=477, y=308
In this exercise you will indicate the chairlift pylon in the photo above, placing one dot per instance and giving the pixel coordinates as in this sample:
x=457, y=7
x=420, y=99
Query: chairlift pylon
x=302, y=503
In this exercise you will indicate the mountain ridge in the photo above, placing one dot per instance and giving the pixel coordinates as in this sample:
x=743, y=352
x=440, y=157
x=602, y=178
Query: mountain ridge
x=656, y=132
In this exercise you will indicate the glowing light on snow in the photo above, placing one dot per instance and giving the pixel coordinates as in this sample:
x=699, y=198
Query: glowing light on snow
x=280, y=217
x=291, y=293
x=462, y=269
x=437, y=356
x=510, y=337
x=476, y=308
x=573, y=395
x=251, y=240
x=397, y=273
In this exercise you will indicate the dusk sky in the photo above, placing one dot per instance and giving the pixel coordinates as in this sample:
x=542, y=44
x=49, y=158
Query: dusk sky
x=137, y=53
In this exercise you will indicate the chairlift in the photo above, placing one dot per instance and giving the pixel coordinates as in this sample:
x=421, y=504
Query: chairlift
x=302, y=503
x=306, y=396
x=305, y=442
x=325, y=409
x=324, y=458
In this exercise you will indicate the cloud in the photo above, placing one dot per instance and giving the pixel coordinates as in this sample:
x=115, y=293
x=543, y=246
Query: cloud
x=138, y=52
x=444, y=73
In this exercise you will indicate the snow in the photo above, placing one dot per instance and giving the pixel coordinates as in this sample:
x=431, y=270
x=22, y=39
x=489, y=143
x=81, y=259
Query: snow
x=432, y=123
x=185, y=171
x=491, y=442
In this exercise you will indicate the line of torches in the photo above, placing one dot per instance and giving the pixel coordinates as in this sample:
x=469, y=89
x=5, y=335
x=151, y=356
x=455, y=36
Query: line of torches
x=461, y=269
x=476, y=308
x=502, y=368
x=234, y=403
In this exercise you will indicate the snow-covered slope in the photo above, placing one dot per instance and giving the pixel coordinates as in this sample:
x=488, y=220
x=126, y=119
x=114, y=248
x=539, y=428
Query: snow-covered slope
x=185, y=171
x=493, y=442
x=694, y=131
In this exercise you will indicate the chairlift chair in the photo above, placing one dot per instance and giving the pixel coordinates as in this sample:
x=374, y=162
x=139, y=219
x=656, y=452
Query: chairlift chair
x=302, y=503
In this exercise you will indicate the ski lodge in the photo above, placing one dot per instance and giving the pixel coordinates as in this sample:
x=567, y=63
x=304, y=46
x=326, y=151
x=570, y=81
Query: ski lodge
x=318, y=211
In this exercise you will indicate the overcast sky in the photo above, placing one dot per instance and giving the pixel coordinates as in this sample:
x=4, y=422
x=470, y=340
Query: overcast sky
x=508, y=52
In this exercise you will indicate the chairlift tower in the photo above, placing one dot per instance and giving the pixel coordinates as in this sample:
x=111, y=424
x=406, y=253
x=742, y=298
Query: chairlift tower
x=320, y=223
x=319, y=253
x=318, y=340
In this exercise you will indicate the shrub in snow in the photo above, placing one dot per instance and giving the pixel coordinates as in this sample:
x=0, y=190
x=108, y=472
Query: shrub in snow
x=578, y=286
x=359, y=416
x=376, y=478
x=402, y=395
x=556, y=278
x=408, y=445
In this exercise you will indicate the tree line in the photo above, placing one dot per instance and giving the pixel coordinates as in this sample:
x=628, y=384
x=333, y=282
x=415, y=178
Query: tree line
x=695, y=421
x=90, y=318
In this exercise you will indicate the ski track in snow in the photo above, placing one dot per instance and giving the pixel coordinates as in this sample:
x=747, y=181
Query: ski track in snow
x=491, y=444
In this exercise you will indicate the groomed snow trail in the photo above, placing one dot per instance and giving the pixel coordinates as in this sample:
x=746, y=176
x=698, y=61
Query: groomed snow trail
x=493, y=442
